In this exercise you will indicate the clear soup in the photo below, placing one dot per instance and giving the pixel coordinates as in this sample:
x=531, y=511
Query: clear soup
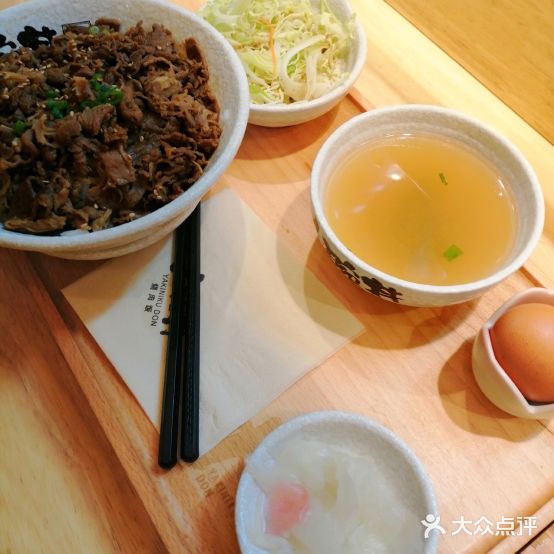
x=422, y=208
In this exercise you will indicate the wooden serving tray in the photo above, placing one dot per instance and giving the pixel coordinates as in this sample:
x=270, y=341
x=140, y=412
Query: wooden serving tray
x=410, y=369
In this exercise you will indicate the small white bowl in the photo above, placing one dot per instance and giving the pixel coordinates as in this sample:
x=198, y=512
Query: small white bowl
x=227, y=81
x=492, y=379
x=284, y=115
x=402, y=470
x=437, y=121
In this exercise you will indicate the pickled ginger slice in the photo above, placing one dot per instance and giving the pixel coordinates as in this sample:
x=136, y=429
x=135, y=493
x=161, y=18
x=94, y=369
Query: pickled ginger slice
x=287, y=506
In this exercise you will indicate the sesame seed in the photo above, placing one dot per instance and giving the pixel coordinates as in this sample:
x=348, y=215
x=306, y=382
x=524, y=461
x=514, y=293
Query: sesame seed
x=141, y=138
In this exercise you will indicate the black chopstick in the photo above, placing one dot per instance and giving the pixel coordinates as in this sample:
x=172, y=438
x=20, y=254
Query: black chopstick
x=190, y=417
x=169, y=428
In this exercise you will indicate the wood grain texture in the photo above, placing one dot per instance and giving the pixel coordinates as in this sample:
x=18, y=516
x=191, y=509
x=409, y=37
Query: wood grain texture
x=508, y=46
x=542, y=544
x=542, y=541
x=409, y=370
x=62, y=488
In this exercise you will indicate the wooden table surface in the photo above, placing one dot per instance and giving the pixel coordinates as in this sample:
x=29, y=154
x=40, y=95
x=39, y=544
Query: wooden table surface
x=78, y=469
x=506, y=45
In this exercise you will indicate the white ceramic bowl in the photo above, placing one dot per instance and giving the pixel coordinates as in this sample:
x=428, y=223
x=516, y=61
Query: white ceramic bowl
x=521, y=180
x=283, y=115
x=395, y=462
x=492, y=379
x=227, y=81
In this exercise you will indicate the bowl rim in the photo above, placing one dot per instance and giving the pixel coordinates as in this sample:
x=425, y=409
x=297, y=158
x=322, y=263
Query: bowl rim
x=173, y=209
x=350, y=419
x=411, y=286
x=298, y=107
x=539, y=295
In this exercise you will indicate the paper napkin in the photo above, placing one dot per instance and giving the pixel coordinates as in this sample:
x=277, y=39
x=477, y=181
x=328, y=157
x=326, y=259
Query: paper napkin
x=266, y=319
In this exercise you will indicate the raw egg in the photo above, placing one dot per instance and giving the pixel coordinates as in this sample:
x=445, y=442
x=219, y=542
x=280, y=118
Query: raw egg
x=523, y=344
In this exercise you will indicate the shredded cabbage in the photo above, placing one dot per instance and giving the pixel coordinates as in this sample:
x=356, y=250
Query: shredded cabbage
x=292, y=50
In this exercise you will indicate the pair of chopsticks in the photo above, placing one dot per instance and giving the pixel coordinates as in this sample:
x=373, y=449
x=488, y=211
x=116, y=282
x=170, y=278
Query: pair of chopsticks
x=182, y=377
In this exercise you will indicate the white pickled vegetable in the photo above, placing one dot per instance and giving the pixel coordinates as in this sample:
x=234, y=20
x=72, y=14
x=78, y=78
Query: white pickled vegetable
x=351, y=510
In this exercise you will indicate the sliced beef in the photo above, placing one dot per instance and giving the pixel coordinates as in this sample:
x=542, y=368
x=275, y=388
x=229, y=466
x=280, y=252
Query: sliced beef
x=92, y=119
x=55, y=76
x=23, y=200
x=128, y=108
x=82, y=88
x=97, y=129
x=117, y=166
x=113, y=24
x=67, y=130
x=27, y=143
x=46, y=225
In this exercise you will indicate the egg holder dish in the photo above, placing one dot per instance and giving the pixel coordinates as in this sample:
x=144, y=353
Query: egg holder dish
x=283, y=115
x=440, y=122
x=227, y=81
x=489, y=374
x=364, y=437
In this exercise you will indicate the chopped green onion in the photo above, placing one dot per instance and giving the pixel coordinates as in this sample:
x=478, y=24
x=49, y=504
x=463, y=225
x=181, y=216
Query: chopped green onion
x=452, y=252
x=52, y=93
x=57, y=108
x=19, y=127
x=443, y=179
x=96, y=81
x=87, y=104
x=104, y=94
x=93, y=30
x=109, y=95
x=115, y=96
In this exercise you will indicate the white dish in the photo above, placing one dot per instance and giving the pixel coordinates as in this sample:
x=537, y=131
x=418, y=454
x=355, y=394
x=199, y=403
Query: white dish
x=399, y=465
x=521, y=181
x=227, y=81
x=492, y=379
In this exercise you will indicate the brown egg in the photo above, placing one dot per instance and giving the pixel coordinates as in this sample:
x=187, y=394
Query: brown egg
x=523, y=344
